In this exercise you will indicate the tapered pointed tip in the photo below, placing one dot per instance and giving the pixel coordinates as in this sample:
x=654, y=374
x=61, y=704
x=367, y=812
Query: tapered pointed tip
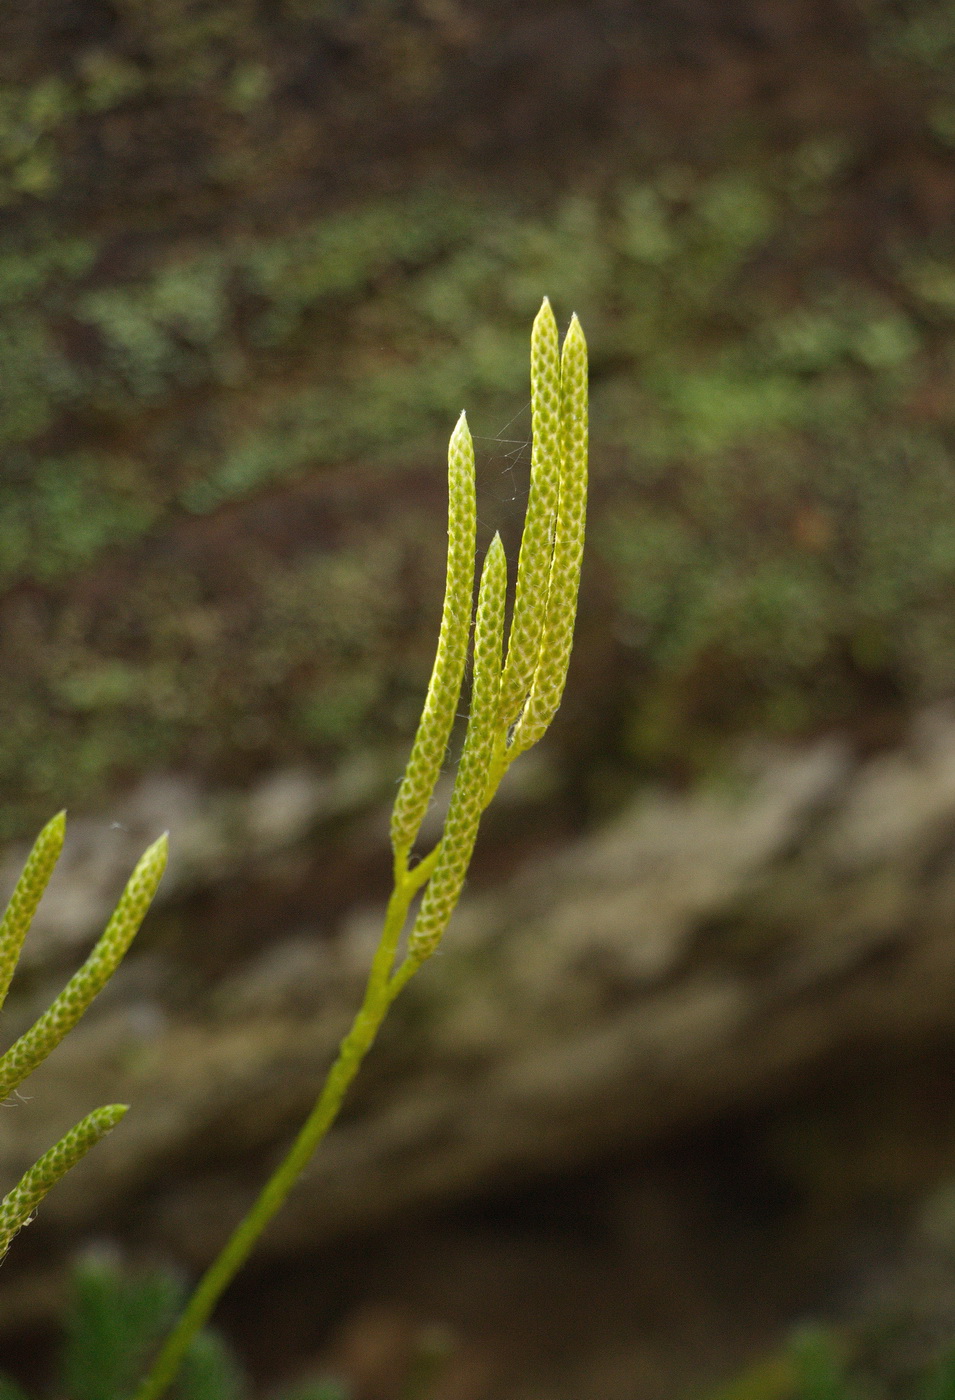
x=545, y=316
x=157, y=854
x=49, y=843
x=462, y=432
x=100, y=1123
x=495, y=561
x=575, y=342
x=111, y=1114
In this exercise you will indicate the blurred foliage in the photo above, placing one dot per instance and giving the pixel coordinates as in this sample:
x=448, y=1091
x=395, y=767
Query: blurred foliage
x=116, y=1315
x=116, y=1318
x=822, y=1363
x=247, y=286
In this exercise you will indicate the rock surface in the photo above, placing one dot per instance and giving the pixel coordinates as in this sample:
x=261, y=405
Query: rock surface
x=687, y=958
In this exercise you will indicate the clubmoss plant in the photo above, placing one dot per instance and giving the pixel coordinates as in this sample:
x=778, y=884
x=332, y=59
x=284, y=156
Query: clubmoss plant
x=513, y=700
x=23, y=1057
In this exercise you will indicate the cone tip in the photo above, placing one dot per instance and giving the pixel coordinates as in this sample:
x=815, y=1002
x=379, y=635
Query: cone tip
x=158, y=850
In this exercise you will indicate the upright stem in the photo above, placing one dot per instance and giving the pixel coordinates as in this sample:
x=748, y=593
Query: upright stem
x=516, y=697
x=380, y=991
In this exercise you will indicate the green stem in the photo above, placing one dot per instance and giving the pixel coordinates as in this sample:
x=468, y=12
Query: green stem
x=546, y=560
x=380, y=991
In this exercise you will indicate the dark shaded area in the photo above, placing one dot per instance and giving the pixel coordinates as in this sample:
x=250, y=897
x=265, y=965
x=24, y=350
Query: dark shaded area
x=649, y=1274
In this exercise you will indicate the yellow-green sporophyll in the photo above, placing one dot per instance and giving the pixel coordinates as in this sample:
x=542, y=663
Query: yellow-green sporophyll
x=513, y=700
x=23, y=1057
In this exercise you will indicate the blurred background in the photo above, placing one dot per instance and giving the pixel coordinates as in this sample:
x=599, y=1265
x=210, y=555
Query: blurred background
x=684, y=1076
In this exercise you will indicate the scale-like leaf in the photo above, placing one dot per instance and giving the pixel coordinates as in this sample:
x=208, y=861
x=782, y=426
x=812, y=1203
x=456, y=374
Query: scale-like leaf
x=564, y=581
x=537, y=539
x=444, y=688
x=26, y=896
x=45, y=1034
x=467, y=799
x=17, y=1207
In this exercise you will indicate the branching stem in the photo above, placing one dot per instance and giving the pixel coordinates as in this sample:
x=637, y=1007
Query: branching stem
x=380, y=991
x=513, y=699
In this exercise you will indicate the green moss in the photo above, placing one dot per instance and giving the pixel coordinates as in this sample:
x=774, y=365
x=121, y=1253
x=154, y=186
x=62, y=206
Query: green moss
x=29, y=117
x=921, y=30
x=195, y=345
x=59, y=513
